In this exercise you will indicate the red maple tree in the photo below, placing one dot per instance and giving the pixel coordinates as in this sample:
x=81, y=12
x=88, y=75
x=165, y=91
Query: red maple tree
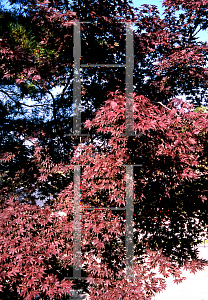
x=170, y=198
x=170, y=141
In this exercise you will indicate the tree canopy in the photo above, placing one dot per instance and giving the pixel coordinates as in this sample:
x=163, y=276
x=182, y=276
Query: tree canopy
x=38, y=153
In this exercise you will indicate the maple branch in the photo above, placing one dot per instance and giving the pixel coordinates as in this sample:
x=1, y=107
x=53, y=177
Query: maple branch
x=53, y=99
x=193, y=35
x=163, y=105
x=52, y=96
x=54, y=106
x=64, y=89
x=7, y=94
x=18, y=102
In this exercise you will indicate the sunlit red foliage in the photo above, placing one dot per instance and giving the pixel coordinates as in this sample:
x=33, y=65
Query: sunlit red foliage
x=170, y=198
x=31, y=236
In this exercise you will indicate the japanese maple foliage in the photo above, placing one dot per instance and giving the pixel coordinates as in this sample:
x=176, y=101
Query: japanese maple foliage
x=170, y=198
x=177, y=61
x=36, y=61
x=36, y=243
x=168, y=223
x=33, y=240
